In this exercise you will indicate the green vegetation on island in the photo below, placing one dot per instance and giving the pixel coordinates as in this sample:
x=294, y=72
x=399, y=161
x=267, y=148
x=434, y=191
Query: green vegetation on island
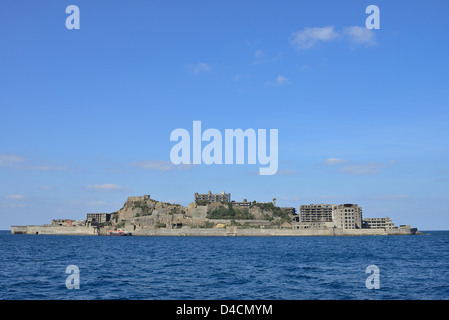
x=228, y=212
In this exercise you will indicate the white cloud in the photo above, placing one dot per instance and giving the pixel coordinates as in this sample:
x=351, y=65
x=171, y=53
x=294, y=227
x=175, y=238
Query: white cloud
x=334, y=161
x=15, y=197
x=346, y=166
x=239, y=77
x=158, y=165
x=309, y=37
x=105, y=187
x=201, y=67
x=360, y=35
x=260, y=57
x=14, y=205
x=280, y=80
x=9, y=160
x=258, y=53
x=304, y=68
x=47, y=167
x=363, y=169
x=16, y=161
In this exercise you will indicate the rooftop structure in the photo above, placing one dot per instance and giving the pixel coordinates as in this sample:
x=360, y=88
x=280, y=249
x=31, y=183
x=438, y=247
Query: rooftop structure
x=244, y=203
x=140, y=198
x=213, y=197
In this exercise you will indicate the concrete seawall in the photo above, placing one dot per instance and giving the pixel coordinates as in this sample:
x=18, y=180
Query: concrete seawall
x=56, y=230
x=213, y=232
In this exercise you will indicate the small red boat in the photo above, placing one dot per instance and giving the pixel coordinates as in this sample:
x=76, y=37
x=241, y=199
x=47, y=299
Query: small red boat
x=119, y=232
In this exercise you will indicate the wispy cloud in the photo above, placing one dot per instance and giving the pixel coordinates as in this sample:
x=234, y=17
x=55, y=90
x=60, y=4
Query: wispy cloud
x=10, y=160
x=47, y=167
x=280, y=80
x=158, y=165
x=200, y=67
x=258, y=54
x=105, y=187
x=239, y=77
x=363, y=169
x=18, y=162
x=14, y=201
x=46, y=188
x=259, y=57
x=334, y=161
x=15, y=197
x=346, y=166
x=360, y=35
x=14, y=205
x=304, y=68
x=310, y=37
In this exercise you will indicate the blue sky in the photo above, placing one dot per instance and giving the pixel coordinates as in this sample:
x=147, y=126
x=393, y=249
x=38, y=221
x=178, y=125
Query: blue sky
x=86, y=115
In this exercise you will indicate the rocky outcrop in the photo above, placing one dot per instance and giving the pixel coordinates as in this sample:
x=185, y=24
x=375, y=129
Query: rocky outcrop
x=145, y=206
x=257, y=211
x=144, y=212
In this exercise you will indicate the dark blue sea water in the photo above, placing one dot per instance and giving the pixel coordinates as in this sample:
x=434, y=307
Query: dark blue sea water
x=237, y=268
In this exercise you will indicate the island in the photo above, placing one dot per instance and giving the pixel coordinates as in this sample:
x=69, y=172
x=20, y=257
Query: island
x=217, y=215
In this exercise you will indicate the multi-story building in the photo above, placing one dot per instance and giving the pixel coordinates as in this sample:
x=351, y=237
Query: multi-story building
x=213, y=197
x=97, y=218
x=347, y=216
x=378, y=223
x=315, y=213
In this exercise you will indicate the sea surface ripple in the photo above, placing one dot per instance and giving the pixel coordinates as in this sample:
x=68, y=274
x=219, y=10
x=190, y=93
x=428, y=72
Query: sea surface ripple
x=33, y=267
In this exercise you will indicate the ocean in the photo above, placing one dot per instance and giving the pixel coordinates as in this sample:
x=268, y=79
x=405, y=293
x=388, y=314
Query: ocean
x=33, y=267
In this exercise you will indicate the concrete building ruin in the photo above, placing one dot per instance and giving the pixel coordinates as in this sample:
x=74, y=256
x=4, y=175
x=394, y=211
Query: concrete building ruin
x=347, y=216
x=213, y=197
x=94, y=219
x=343, y=216
x=378, y=223
x=315, y=213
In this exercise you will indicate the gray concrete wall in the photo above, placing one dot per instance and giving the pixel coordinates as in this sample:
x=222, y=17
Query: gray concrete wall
x=212, y=232
x=58, y=230
x=235, y=231
x=198, y=232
